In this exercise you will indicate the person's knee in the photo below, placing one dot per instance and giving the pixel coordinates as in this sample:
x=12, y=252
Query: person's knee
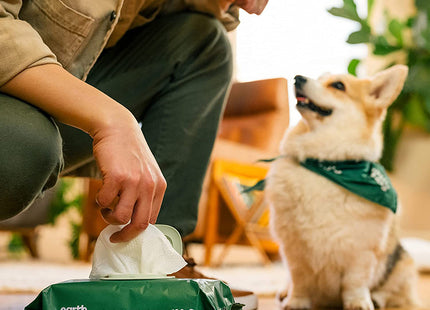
x=30, y=157
x=211, y=40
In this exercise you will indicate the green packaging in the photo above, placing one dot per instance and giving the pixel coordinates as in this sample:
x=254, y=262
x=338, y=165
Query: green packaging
x=153, y=294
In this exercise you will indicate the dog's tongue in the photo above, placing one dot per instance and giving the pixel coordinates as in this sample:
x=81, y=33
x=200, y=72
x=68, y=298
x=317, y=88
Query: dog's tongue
x=301, y=99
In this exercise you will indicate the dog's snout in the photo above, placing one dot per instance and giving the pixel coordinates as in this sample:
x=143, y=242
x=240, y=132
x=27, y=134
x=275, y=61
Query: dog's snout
x=299, y=81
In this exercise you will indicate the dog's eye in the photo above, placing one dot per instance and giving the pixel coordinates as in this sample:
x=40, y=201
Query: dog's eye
x=338, y=85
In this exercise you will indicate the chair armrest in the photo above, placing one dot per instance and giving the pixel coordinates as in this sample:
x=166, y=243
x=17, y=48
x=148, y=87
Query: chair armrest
x=256, y=97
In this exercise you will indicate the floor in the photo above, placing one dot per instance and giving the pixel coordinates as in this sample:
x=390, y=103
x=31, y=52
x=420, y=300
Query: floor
x=19, y=301
x=233, y=271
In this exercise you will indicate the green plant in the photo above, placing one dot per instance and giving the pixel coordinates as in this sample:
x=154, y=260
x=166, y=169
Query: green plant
x=63, y=202
x=412, y=38
x=16, y=245
x=60, y=204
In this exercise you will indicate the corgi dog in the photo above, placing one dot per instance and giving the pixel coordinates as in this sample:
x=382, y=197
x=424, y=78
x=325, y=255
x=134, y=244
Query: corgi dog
x=337, y=236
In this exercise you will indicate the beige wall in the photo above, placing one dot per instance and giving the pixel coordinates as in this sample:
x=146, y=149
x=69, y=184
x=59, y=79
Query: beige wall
x=412, y=165
x=412, y=181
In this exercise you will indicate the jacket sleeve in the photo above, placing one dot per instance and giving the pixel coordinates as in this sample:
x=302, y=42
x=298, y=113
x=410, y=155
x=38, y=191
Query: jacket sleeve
x=21, y=47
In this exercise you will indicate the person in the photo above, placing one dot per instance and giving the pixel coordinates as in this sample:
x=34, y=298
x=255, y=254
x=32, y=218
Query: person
x=129, y=91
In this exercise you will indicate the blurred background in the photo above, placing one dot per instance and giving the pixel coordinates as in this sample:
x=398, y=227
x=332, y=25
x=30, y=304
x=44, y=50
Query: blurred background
x=232, y=239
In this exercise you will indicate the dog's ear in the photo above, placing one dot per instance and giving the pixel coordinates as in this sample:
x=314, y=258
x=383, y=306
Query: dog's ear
x=387, y=85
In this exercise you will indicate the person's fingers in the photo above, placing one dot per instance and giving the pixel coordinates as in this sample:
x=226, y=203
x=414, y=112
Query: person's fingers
x=122, y=211
x=139, y=222
x=141, y=214
x=158, y=199
x=107, y=193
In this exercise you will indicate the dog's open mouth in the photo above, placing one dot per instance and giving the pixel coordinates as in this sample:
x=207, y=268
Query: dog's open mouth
x=305, y=103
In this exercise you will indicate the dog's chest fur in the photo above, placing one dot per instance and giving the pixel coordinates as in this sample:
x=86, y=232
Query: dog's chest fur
x=321, y=224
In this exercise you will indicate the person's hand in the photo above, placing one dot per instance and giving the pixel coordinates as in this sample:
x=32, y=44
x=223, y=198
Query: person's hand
x=250, y=6
x=133, y=185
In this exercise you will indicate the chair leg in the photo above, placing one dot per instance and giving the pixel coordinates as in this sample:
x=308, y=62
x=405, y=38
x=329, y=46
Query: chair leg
x=256, y=243
x=92, y=222
x=30, y=241
x=234, y=238
x=211, y=235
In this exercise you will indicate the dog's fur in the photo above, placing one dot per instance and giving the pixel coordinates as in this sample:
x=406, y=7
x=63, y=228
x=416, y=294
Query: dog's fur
x=339, y=248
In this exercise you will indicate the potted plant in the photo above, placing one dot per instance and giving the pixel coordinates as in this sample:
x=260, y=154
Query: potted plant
x=411, y=39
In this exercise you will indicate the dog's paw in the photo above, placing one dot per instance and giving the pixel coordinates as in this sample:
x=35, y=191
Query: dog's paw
x=281, y=295
x=296, y=303
x=379, y=299
x=358, y=304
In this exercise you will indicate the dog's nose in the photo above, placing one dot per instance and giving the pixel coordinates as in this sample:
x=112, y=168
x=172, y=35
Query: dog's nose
x=299, y=81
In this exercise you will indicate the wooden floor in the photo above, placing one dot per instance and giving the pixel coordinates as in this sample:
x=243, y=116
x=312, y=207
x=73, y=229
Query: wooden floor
x=423, y=287
x=19, y=301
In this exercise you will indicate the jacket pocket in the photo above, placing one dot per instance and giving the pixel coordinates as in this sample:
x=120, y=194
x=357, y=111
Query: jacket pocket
x=62, y=28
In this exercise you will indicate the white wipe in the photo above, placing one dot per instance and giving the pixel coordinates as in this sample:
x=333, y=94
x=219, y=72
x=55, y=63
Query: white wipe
x=149, y=254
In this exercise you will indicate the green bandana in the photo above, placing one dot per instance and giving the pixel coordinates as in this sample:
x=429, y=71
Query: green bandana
x=364, y=178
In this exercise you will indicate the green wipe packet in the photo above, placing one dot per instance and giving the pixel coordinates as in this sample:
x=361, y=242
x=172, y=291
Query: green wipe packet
x=154, y=294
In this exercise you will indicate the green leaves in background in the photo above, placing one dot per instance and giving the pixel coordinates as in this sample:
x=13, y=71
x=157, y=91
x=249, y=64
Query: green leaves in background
x=381, y=47
x=412, y=107
x=423, y=5
x=361, y=36
x=396, y=28
x=370, y=4
x=352, y=67
x=62, y=203
x=16, y=244
x=74, y=240
x=348, y=10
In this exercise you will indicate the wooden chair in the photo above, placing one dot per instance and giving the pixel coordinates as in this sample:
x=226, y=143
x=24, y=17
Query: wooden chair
x=228, y=181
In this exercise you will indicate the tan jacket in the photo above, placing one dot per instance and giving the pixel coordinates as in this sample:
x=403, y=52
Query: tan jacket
x=73, y=33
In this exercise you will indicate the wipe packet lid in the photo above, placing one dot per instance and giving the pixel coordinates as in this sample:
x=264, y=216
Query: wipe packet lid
x=172, y=235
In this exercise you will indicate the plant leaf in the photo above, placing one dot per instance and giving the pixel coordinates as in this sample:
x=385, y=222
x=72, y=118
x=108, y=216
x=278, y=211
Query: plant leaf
x=348, y=11
x=370, y=6
x=382, y=47
x=422, y=5
x=74, y=239
x=410, y=22
x=396, y=29
x=414, y=112
x=427, y=104
x=361, y=36
x=352, y=67
x=16, y=244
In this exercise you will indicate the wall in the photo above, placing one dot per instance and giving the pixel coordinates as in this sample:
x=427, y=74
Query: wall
x=412, y=166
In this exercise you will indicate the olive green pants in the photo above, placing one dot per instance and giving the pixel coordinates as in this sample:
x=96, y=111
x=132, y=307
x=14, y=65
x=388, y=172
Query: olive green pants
x=173, y=74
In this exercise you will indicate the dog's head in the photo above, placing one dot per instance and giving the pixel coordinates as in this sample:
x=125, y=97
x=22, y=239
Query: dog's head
x=342, y=109
x=361, y=102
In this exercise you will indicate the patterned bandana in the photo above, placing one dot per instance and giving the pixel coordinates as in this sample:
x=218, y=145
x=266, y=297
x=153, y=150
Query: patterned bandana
x=364, y=178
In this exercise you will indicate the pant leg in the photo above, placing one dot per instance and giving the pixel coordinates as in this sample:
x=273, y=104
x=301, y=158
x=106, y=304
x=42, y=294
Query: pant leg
x=30, y=154
x=173, y=75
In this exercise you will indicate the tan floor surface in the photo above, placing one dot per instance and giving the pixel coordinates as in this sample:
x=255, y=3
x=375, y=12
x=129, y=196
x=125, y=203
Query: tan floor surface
x=238, y=256
x=19, y=301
